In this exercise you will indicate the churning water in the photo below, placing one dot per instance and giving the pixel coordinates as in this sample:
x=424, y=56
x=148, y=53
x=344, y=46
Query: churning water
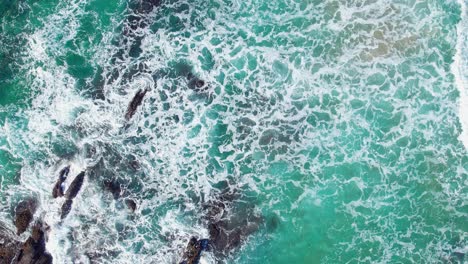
x=326, y=131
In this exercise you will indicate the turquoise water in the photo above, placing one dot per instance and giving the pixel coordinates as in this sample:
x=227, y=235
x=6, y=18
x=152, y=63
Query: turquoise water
x=335, y=123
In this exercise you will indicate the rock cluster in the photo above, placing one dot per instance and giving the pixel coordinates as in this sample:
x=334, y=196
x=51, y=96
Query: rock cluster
x=32, y=251
x=193, y=251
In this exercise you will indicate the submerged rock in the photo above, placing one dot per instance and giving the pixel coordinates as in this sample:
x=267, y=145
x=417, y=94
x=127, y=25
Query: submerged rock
x=75, y=186
x=215, y=231
x=118, y=191
x=113, y=187
x=24, y=214
x=230, y=218
x=146, y=6
x=33, y=251
x=129, y=45
x=136, y=101
x=229, y=222
x=135, y=165
x=138, y=16
x=458, y=257
x=225, y=236
x=193, y=251
x=196, y=83
x=58, y=188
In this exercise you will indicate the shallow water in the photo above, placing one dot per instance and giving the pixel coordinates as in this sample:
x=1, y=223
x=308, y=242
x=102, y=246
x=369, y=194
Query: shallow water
x=338, y=125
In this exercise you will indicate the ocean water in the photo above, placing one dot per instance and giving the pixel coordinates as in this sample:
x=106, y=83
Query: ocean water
x=339, y=127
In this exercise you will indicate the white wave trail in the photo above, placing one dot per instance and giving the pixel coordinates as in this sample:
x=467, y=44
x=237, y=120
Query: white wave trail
x=460, y=70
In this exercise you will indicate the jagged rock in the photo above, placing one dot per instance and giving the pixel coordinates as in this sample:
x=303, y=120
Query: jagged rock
x=136, y=101
x=193, y=251
x=33, y=251
x=58, y=188
x=24, y=214
x=66, y=208
x=75, y=186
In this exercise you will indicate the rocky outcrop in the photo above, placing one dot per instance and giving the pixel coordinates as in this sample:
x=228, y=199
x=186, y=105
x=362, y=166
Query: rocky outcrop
x=58, y=187
x=24, y=214
x=71, y=193
x=9, y=245
x=225, y=236
x=193, y=251
x=230, y=222
x=33, y=251
x=75, y=186
x=136, y=101
x=66, y=208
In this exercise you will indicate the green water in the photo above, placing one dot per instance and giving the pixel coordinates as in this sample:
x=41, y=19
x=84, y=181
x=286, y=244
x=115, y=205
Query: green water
x=335, y=121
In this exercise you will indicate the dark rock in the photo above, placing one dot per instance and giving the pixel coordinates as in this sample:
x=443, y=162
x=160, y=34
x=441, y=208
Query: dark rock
x=235, y=238
x=458, y=257
x=130, y=42
x=224, y=238
x=75, y=186
x=214, y=231
x=113, y=187
x=63, y=174
x=272, y=223
x=219, y=237
x=9, y=246
x=33, y=251
x=135, y=165
x=24, y=214
x=136, y=101
x=229, y=222
x=146, y=6
x=193, y=251
x=196, y=83
x=66, y=208
x=134, y=22
x=214, y=210
x=131, y=204
x=58, y=188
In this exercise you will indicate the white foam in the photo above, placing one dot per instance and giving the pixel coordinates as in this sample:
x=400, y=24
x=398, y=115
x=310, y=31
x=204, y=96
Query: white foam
x=161, y=153
x=460, y=70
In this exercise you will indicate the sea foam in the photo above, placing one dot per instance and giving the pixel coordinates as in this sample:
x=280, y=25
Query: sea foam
x=460, y=70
